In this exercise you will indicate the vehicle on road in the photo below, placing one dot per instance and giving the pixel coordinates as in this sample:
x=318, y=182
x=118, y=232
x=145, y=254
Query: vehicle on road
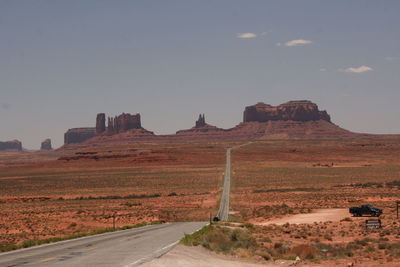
x=365, y=210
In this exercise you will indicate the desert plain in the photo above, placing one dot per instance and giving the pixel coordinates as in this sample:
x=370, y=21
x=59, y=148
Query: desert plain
x=85, y=189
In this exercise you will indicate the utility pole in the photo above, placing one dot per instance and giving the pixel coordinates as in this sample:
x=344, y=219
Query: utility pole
x=114, y=220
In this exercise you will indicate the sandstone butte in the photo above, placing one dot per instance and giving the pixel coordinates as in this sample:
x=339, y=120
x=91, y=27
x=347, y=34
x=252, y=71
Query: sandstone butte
x=291, y=120
x=46, y=145
x=115, y=125
x=11, y=145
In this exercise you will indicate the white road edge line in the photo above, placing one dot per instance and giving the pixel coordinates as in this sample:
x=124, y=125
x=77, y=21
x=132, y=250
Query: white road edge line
x=154, y=253
x=168, y=246
x=143, y=260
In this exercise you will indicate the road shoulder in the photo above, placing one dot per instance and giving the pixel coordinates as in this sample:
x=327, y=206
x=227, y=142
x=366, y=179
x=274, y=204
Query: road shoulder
x=198, y=256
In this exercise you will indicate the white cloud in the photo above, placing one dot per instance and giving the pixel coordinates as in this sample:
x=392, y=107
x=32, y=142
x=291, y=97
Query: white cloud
x=297, y=42
x=360, y=69
x=246, y=35
x=322, y=69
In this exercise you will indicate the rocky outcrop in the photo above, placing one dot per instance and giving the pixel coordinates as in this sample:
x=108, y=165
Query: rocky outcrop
x=201, y=121
x=117, y=124
x=292, y=130
x=100, y=123
x=123, y=122
x=200, y=128
x=133, y=135
x=291, y=120
x=46, y=145
x=11, y=145
x=78, y=135
x=303, y=110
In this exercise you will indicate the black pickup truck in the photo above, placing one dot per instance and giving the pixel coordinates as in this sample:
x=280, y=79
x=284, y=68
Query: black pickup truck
x=365, y=210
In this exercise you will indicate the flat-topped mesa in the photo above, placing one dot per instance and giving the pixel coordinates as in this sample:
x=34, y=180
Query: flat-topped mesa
x=123, y=122
x=302, y=110
x=201, y=121
x=46, y=145
x=78, y=135
x=11, y=145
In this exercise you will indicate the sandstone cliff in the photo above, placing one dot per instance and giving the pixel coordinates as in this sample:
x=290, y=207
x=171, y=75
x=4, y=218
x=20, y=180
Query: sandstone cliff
x=116, y=125
x=201, y=121
x=78, y=135
x=200, y=127
x=123, y=122
x=100, y=123
x=291, y=120
x=46, y=145
x=11, y=145
x=303, y=110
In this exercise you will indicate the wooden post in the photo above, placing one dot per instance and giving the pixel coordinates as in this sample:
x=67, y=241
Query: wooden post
x=397, y=208
x=114, y=221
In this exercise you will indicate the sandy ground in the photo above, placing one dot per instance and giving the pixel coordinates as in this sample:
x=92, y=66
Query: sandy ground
x=199, y=257
x=322, y=215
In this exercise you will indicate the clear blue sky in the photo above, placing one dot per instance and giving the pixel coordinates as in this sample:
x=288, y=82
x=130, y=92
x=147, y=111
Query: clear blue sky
x=61, y=62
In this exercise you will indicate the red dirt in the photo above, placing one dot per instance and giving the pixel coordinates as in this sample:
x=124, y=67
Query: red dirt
x=321, y=215
x=289, y=182
x=64, y=192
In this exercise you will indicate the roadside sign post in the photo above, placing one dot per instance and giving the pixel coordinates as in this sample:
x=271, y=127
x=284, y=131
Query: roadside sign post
x=373, y=224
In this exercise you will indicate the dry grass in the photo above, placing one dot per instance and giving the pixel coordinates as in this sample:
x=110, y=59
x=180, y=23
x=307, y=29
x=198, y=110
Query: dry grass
x=44, y=197
x=278, y=178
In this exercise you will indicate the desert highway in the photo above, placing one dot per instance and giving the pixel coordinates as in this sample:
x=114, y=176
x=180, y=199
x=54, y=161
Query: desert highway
x=125, y=248
x=224, y=204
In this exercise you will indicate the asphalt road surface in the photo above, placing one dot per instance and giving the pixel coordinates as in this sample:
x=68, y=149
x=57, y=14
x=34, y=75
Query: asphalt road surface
x=224, y=204
x=126, y=248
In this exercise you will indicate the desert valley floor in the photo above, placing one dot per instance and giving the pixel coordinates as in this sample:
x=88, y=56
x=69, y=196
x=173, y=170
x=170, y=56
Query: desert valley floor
x=72, y=191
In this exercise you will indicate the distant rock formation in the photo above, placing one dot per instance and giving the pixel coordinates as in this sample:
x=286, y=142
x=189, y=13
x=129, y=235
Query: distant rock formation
x=288, y=121
x=123, y=122
x=201, y=127
x=11, y=145
x=115, y=125
x=78, y=135
x=100, y=123
x=303, y=110
x=201, y=122
x=46, y=145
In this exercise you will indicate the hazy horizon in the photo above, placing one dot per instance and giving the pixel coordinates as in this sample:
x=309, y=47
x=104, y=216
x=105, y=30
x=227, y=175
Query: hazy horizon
x=62, y=62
